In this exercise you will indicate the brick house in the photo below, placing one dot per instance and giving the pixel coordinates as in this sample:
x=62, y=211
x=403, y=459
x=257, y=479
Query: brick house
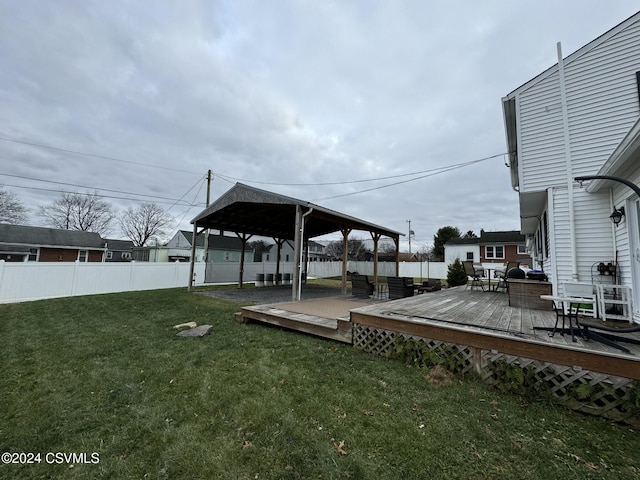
x=490, y=247
x=19, y=243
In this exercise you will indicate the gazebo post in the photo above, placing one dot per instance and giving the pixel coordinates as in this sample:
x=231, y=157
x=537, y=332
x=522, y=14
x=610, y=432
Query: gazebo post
x=376, y=238
x=192, y=260
x=295, y=295
x=396, y=240
x=345, y=256
x=243, y=238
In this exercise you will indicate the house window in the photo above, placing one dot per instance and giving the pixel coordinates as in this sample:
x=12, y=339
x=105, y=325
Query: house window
x=109, y=255
x=82, y=255
x=227, y=256
x=495, y=251
x=522, y=249
x=470, y=256
x=33, y=254
x=125, y=255
x=286, y=257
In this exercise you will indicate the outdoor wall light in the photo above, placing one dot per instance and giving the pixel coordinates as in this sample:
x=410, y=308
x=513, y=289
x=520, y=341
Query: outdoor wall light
x=616, y=216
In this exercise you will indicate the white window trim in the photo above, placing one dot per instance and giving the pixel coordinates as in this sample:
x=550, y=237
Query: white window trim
x=86, y=256
x=493, y=256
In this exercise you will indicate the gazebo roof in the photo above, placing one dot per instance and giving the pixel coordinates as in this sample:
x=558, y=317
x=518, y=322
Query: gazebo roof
x=246, y=209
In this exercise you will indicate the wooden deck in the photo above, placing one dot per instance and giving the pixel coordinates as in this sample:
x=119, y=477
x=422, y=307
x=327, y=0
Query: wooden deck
x=484, y=320
x=476, y=331
x=473, y=318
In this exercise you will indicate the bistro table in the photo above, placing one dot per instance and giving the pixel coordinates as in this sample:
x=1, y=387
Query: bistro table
x=495, y=287
x=571, y=301
x=381, y=290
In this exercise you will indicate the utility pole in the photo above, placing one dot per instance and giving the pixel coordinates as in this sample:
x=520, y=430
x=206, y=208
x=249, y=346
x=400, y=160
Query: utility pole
x=410, y=232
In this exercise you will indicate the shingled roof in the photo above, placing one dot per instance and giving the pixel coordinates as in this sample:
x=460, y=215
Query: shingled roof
x=49, y=237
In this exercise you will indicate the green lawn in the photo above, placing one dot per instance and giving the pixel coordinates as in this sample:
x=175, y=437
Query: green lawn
x=107, y=374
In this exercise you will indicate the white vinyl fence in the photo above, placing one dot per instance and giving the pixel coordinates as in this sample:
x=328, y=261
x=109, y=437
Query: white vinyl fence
x=25, y=281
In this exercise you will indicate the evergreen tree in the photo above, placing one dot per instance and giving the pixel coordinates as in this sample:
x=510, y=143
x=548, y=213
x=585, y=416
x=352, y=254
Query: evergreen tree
x=456, y=274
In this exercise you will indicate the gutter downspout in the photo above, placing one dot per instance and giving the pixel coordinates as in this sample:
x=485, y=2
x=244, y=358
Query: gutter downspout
x=567, y=156
x=304, y=218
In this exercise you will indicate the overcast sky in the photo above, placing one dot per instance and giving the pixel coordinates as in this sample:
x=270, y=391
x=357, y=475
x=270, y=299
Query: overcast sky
x=140, y=99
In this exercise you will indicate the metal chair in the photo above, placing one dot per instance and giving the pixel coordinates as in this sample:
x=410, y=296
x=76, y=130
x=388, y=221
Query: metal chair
x=502, y=275
x=474, y=273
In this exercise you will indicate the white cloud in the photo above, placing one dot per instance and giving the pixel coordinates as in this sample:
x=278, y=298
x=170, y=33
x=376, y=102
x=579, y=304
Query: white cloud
x=281, y=92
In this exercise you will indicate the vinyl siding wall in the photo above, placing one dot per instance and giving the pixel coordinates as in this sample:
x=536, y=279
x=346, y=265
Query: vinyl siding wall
x=602, y=105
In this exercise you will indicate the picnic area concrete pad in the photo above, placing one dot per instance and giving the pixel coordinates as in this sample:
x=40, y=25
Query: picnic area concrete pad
x=200, y=331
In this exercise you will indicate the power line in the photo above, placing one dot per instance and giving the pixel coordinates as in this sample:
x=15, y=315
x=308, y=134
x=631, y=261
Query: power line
x=447, y=169
x=103, y=157
x=105, y=196
x=85, y=186
x=230, y=179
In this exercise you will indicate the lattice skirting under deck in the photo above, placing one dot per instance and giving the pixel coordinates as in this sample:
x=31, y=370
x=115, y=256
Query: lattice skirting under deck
x=582, y=390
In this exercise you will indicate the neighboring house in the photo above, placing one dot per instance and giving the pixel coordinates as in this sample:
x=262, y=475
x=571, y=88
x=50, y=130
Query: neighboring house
x=19, y=243
x=580, y=118
x=316, y=252
x=490, y=247
x=150, y=254
x=221, y=248
x=463, y=249
x=118, y=250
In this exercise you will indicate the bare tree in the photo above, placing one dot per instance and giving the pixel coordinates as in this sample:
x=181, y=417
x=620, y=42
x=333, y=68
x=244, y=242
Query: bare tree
x=12, y=210
x=88, y=212
x=144, y=222
x=356, y=249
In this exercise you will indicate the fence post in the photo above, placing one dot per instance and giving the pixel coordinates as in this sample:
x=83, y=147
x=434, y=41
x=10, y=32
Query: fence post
x=74, y=277
x=131, y=274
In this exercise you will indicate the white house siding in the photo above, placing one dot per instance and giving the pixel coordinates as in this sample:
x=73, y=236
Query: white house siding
x=602, y=99
x=602, y=105
x=451, y=252
x=561, y=239
x=621, y=194
x=594, y=231
x=593, y=234
x=542, y=139
x=601, y=92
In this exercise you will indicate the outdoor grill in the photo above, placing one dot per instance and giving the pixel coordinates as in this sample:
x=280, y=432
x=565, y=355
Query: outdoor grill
x=537, y=275
x=516, y=273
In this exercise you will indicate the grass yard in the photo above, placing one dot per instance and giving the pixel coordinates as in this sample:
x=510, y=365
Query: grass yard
x=107, y=374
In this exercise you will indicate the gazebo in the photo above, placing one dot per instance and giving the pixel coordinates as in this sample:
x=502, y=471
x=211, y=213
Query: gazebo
x=249, y=211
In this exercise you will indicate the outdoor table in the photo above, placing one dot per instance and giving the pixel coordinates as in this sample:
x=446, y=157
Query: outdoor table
x=489, y=270
x=571, y=301
x=381, y=290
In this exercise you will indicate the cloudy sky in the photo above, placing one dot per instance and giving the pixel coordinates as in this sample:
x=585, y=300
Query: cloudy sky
x=385, y=110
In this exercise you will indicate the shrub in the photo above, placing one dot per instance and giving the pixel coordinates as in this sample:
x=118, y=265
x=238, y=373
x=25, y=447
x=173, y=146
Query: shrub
x=455, y=274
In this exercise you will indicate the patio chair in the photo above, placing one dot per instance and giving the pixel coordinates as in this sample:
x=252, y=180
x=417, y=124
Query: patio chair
x=400, y=287
x=475, y=273
x=361, y=286
x=582, y=290
x=501, y=274
x=431, y=285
